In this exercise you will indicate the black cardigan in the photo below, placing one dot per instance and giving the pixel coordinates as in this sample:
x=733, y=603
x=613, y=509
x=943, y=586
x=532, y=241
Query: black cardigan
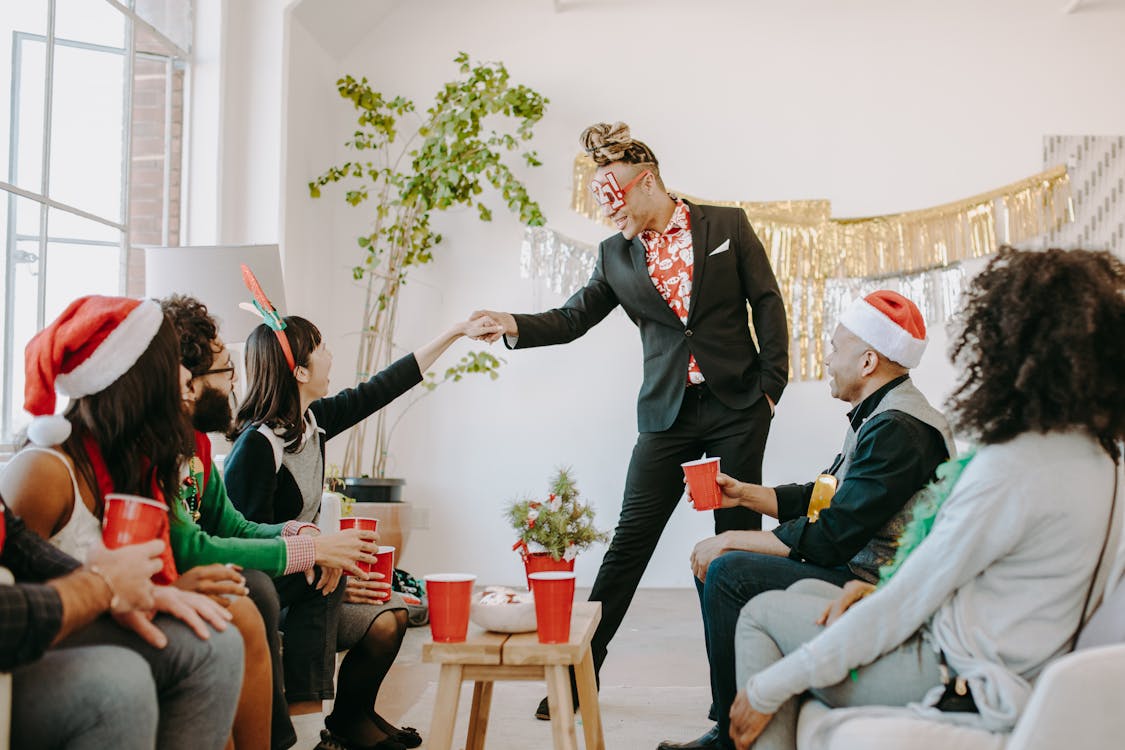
x=266, y=494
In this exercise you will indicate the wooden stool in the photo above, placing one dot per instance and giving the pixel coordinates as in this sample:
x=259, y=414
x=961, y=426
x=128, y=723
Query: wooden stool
x=485, y=657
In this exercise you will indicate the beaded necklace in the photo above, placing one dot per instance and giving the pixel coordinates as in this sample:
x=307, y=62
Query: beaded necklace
x=191, y=491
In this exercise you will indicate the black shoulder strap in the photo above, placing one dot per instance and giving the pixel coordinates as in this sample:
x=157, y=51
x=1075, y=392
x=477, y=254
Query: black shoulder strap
x=1101, y=556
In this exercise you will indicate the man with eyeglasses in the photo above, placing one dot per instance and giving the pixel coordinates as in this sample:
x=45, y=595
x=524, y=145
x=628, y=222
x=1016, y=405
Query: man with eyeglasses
x=205, y=355
x=208, y=404
x=685, y=275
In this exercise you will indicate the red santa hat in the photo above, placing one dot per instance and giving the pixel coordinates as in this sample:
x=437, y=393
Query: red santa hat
x=890, y=323
x=94, y=342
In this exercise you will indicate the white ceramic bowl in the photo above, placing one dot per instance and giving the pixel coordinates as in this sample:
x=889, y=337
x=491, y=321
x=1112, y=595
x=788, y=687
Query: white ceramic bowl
x=518, y=617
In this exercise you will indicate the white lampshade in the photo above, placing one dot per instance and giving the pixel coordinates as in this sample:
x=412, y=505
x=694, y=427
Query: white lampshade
x=213, y=275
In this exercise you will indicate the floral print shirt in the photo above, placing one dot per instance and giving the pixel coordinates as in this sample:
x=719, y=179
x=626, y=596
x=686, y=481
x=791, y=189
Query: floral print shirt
x=670, y=258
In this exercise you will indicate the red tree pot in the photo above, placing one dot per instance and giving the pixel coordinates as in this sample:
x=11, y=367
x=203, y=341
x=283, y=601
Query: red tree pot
x=541, y=562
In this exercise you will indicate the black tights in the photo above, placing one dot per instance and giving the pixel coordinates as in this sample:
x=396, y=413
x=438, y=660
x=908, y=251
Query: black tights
x=361, y=675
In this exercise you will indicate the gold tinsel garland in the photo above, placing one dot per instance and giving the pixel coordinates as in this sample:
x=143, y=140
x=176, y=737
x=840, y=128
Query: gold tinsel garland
x=565, y=264
x=821, y=262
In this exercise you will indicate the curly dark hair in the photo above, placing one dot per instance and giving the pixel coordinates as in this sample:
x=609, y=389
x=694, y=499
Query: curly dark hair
x=197, y=330
x=1042, y=344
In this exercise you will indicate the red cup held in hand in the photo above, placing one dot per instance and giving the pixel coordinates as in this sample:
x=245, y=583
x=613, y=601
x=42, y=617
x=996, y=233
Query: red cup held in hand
x=385, y=566
x=449, y=595
x=554, y=602
x=131, y=519
x=363, y=524
x=700, y=476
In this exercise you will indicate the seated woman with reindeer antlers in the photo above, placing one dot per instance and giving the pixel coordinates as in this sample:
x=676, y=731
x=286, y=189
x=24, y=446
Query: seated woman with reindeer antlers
x=275, y=473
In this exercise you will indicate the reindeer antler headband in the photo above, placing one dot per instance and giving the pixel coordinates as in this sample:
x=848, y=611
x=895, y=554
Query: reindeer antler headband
x=263, y=308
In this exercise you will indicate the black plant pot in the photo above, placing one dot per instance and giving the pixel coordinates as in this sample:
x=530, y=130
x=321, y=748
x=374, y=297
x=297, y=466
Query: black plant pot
x=368, y=490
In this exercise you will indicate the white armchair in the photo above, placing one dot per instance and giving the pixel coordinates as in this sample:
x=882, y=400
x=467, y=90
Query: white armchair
x=1076, y=704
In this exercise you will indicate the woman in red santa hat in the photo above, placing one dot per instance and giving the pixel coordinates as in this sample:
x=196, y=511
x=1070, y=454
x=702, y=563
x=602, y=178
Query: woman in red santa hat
x=124, y=431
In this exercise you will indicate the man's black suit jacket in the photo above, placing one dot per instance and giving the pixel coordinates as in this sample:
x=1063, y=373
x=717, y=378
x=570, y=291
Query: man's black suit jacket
x=717, y=331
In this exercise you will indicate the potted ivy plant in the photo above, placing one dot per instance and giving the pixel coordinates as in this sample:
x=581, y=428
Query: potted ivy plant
x=553, y=530
x=406, y=165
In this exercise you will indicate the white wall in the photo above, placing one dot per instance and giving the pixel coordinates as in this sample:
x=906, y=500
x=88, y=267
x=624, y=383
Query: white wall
x=235, y=122
x=878, y=106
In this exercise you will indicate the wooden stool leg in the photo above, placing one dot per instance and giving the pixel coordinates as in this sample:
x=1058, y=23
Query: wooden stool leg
x=588, y=702
x=478, y=718
x=562, y=707
x=445, y=708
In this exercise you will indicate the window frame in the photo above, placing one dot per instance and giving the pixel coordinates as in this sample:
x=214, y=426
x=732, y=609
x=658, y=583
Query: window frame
x=178, y=58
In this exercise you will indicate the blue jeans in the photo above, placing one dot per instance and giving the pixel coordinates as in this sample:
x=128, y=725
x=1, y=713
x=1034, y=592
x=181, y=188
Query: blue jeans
x=91, y=697
x=733, y=579
x=194, y=682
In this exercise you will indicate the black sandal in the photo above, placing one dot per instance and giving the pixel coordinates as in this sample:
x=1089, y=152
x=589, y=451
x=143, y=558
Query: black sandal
x=408, y=737
x=331, y=741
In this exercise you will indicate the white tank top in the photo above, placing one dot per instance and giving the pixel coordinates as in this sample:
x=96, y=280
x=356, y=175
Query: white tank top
x=83, y=531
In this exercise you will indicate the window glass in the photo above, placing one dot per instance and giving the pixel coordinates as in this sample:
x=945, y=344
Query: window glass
x=90, y=21
x=80, y=262
x=19, y=226
x=23, y=62
x=87, y=129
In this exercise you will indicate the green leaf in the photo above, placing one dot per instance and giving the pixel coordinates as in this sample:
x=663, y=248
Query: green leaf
x=468, y=138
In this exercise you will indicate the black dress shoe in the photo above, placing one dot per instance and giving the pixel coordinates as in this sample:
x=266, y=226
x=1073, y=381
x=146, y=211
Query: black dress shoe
x=709, y=741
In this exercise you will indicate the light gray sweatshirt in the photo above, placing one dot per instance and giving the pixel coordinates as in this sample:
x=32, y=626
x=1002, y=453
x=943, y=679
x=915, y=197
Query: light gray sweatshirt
x=998, y=583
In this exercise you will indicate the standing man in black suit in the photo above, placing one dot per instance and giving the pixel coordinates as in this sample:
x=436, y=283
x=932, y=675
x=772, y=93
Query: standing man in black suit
x=684, y=274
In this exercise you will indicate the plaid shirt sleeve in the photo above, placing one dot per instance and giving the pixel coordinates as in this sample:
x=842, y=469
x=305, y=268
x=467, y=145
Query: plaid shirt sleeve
x=294, y=527
x=30, y=613
x=300, y=553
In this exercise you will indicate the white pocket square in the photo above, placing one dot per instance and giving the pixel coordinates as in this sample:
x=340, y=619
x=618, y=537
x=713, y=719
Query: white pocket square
x=721, y=248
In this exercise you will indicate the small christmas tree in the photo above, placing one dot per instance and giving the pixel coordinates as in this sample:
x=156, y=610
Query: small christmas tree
x=560, y=525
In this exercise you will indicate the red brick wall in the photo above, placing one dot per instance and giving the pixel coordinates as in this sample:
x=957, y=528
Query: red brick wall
x=147, y=162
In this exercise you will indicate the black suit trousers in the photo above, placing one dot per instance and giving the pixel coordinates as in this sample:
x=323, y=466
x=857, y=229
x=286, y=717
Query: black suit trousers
x=654, y=485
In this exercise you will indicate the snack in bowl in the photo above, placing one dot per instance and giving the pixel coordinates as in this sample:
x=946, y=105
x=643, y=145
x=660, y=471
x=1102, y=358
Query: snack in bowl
x=504, y=610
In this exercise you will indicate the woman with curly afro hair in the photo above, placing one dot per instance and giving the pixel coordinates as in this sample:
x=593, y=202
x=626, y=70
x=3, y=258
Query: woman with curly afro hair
x=1006, y=555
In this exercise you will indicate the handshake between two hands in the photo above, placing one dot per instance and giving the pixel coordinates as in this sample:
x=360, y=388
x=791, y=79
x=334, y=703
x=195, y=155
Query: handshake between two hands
x=489, y=326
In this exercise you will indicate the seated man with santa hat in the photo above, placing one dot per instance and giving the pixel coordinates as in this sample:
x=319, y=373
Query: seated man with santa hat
x=894, y=442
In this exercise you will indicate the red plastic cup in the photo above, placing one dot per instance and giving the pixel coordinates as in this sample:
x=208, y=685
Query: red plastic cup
x=363, y=524
x=131, y=519
x=359, y=522
x=554, y=602
x=449, y=595
x=700, y=476
x=385, y=565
